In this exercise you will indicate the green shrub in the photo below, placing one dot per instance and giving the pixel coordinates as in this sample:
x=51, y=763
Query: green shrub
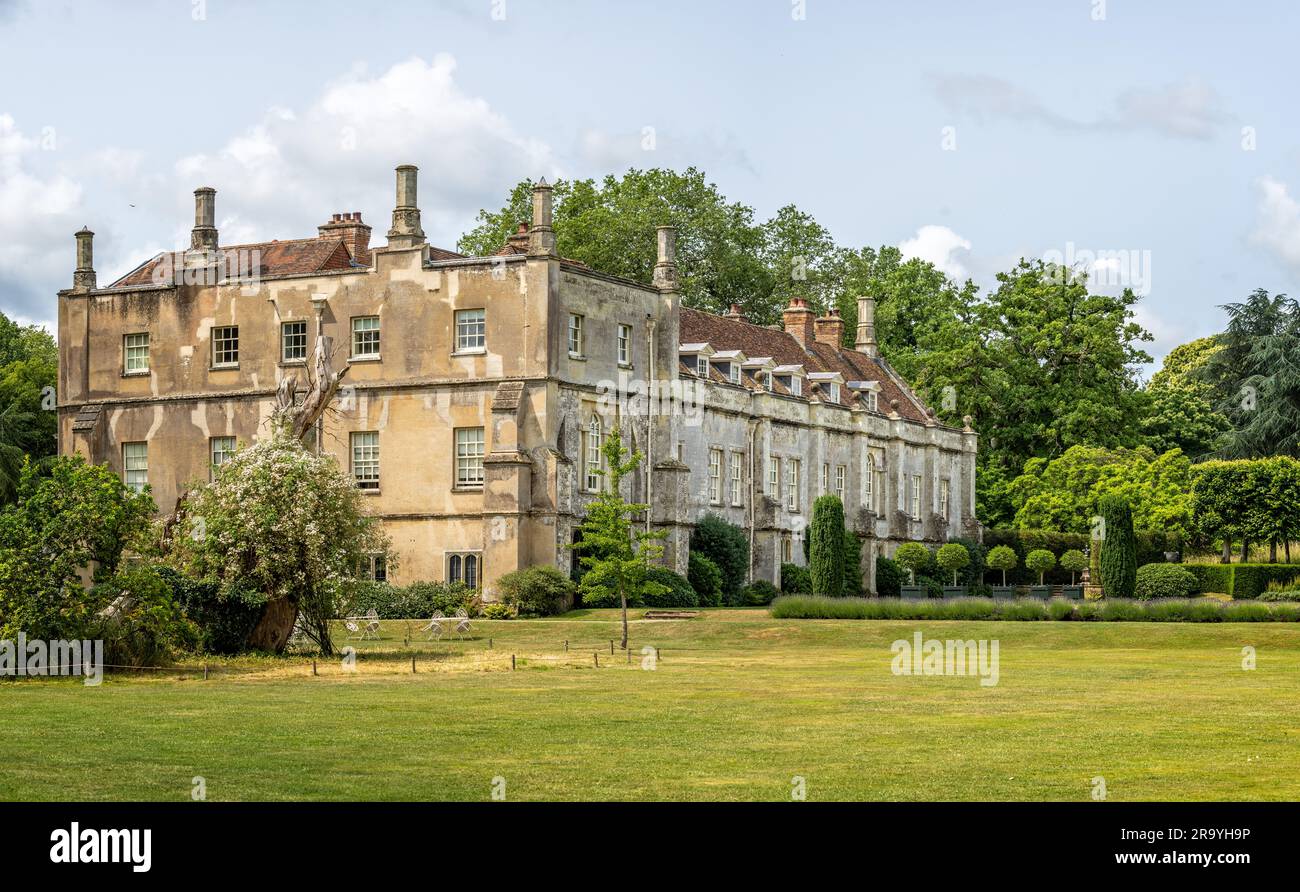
x=826, y=546
x=889, y=577
x=224, y=618
x=1027, y=609
x=852, y=564
x=912, y=557
x=1211, y=577
x=1251, y=580
x=1060, y=610
x=1280, y=597
x=795, y=580
x=498, y=610
x=1163, y=581
x=142, y=625
x=706, y=578
x=543, y=590
x=727, y=546
x=1118, y=548
x=1122, y=610
x=953, y=557
x=760, y=593
x=417, y=600
x=1040, y=560
x=679, y=594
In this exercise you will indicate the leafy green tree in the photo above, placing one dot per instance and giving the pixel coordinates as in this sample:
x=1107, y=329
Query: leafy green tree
x=1222, y=505
x=912, y=557
x=953, y=557
x=803, y=261
x=1073, y=561
x=852, y=564
x=1063, y=494
x=705, y=577
x=1040, y=560
x=1003, y=557
x=1118, y=548
x=619, y=552
x=74, y=519
x=284, y=524
x=826, y=546
x=28, y=374
x=610, y=226
x=1182, y=414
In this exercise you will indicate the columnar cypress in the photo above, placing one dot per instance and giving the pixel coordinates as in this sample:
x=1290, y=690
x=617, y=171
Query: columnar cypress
x=1118, y=549
x=826, y=546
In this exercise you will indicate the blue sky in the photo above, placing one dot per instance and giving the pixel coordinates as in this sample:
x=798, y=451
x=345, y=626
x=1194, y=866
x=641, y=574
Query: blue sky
x=970, y=133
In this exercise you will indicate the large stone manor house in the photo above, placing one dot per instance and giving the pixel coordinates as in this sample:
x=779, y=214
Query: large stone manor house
x=478, y=391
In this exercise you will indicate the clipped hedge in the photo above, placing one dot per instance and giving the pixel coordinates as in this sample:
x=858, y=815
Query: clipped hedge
x=1163, y=581
x=1240, y=581
x=415, y=601
x=679, y=594
x=760, y=593
x=706, y=578
x=889, y=577
x=1164, y=611
x=795, y=580
x=543, y=590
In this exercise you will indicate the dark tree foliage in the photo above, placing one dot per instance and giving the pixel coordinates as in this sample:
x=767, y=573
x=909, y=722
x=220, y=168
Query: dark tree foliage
x=727, y=546
x=1118, y=549
x=826, y=547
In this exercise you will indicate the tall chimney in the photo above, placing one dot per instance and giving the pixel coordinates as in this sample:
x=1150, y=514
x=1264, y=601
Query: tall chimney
x=830, y=329
x=203, y=237
x=665, y=273
x=355, y=234
x=866, y=337
x=406, y=231
x=735, y=313
x=83, y=277
x=798, y=321
x=541, y=236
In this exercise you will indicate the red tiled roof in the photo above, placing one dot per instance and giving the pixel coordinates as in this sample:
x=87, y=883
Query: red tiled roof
x=722, y=333
x=286, y=258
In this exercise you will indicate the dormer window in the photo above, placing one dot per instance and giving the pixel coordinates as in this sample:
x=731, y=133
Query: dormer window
x=733, y=373
x=873, y=400
x=796, y=386
x=702, y=366
x=835, y=392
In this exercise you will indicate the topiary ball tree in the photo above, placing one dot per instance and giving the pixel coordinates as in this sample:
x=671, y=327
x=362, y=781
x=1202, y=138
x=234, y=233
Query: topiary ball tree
x=1040, y=560
x=1074, y=561
x=826, y=547
x=1003, y=557
x=912, y=556
x=953, y=557
x=1118, y=548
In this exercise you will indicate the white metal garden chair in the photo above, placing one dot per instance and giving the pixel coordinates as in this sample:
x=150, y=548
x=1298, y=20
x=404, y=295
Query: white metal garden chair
x=434, y=627
x=354, y=626
x=462, y=623
x=371, y=629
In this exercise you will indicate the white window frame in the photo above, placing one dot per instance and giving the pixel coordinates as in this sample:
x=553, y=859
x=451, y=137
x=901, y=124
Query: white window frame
x=135, y=465
x=471, y=331
x=702, y=365
x=869, y=484
x=365, y=337
x=873, y=401
x=835, y=392
x=364, y=452
x=592, y=459
x=734, y=373
x=794, y=468
x=219, y=451
x=715, y=476
x=470, y=446
x=737, y=470
x=136, y=363
x=284, y=341
x=774, y=477
x=796, y=385
x=841, y=481
x=826, y=478
x=224, y=356
x=575, y=336
x=945, y=495
x=624, y=344
x=915, y=500
x=376, y=567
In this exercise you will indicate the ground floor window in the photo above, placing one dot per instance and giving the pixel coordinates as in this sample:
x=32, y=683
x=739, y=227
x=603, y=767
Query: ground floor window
x=464, y=567
x=375, y=566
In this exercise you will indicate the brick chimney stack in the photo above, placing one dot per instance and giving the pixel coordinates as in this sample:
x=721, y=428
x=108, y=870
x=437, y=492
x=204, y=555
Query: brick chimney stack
x=830, y=329
x=798, y=321
x=735, y=313
x=406, y=231
x=541, y=237
x=865, y=342
x=355, y=234
x=83, y=277
x=203, y=237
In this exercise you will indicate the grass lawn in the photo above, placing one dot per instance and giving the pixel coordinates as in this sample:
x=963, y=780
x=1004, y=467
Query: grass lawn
x=737, y=706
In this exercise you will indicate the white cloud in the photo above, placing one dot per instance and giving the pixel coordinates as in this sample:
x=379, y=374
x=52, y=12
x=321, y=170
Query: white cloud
x=1186, y=109
x=1277, y=222
x=941, y=246
x=39, y=211
x=291, y=169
